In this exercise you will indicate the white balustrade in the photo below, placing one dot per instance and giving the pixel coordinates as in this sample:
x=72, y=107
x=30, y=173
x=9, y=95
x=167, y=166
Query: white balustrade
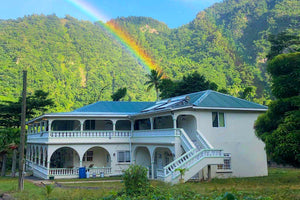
x=75, y=171
x=155, y=133
x=63, y=171
x=203, y=141
x=189, y=159
x=186, y=142
x=99, y=170
x=65, y=134
x=68, y=134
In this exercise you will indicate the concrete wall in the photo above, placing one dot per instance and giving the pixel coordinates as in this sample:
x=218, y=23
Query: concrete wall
x=101, y=158
x=248, y=157
x=142, y=157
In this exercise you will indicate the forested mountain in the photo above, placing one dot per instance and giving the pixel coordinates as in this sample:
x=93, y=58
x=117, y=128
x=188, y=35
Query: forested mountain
x=78, y=62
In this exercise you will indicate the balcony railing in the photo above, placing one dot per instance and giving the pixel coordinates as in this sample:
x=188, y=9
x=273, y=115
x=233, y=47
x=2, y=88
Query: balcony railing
x=107, y=133
x=74, y=134
x=75, y=171
x=157, y=133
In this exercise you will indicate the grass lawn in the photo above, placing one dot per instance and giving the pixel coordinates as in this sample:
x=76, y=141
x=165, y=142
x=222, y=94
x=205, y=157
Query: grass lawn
x=281, y=184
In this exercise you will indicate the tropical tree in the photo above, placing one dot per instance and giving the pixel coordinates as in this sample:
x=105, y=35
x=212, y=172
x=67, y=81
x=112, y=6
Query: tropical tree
x=154, y=79
x=10, y=120
x=279, y=127
x=10, y=111
x=119, y=94
x=8, y=138
x=193, y=82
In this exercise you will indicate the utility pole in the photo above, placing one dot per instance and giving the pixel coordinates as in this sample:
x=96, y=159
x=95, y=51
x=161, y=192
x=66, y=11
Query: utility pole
x=22, y=137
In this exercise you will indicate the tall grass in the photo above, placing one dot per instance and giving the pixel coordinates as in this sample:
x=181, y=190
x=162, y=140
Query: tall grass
x=281, y=184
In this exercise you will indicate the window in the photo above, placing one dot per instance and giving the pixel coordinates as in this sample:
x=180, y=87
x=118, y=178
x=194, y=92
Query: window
x=89, y=125
x=227, y=162
x=124, y=156
x=218, y=119
x=88, y=156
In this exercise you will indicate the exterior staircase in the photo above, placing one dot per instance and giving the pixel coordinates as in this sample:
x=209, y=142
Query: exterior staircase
x=199, y=153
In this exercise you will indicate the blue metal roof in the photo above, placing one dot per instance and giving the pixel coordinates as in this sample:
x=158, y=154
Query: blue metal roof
x=220, y=100
x=205, y=99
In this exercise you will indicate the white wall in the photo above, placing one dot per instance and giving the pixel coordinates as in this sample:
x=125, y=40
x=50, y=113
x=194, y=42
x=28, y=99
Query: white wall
x=248, y=157
x=142, y=157
x=101, y=158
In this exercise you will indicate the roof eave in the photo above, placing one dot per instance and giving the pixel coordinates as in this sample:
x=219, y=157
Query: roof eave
x=75, y=115
x=223, y=108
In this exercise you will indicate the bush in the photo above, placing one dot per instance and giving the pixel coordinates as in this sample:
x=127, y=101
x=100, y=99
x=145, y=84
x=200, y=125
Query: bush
x=136, y=180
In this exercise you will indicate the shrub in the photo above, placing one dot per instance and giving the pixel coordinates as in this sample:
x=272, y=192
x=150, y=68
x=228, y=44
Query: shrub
x=136, y=180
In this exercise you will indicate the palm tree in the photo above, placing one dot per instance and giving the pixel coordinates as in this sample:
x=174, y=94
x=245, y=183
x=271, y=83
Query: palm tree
x=154, y=79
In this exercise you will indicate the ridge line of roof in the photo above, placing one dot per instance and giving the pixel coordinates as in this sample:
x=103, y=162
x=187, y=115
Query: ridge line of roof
x=239, y=99
x=206, y=93
x=186, y=94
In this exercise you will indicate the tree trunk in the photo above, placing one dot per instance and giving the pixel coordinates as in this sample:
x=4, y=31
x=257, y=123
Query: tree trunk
x=3, y=170
x=14, y=161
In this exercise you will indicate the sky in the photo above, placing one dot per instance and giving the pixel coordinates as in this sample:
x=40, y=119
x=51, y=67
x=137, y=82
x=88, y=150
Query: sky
x=174, y=13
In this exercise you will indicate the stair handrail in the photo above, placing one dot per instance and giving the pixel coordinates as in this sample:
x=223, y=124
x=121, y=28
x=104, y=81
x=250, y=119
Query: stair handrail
x=203, y=140
x=169, y=168
x=204, y=153
x=186, y=140
x=197, y=157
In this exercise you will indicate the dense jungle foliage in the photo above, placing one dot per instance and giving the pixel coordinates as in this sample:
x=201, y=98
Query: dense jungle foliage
x=78, y=62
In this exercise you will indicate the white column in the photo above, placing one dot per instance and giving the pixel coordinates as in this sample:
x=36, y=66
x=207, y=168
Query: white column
x=44, y=157
x=152, y=169
x=114, y=128
x=174, y=122
x=151, y=123
x=49, y=127
x=80, y=162
x=81, y=127
x=39, y=159
x=48, y=160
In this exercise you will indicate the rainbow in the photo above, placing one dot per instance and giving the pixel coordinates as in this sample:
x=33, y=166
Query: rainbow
x=119, y=34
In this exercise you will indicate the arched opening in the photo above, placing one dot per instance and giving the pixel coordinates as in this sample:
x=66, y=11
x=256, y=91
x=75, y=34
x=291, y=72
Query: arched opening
x=162, y=157
x=96, y=157
x=97, y=125
x=65, y=125
x=123, y=125
x=142, y=124
x=143, y=157
x=163, y=122
x=188, y=123
x=64, y=157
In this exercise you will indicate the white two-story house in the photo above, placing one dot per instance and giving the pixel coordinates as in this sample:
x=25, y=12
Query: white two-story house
x=209, y=133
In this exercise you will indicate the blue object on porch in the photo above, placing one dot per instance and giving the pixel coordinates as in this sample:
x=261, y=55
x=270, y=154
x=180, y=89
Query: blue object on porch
x=82, y=173
x=102, y=174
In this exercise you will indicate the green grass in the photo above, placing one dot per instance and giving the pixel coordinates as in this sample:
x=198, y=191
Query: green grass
x=281, y=184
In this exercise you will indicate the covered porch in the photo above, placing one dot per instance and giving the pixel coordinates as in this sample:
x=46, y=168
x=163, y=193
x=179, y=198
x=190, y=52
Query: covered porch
x=64, y=162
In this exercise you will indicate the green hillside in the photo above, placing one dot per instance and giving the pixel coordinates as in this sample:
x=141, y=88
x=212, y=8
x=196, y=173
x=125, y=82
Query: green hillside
x=79, y=63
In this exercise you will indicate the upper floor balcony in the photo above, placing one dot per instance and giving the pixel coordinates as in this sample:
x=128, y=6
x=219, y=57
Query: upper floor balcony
x=103, y=130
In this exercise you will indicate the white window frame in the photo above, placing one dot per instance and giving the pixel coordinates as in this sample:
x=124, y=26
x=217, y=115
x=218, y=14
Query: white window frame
x=125, y=158
x=218, y=117
x=88, y=158
x=227, y=166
